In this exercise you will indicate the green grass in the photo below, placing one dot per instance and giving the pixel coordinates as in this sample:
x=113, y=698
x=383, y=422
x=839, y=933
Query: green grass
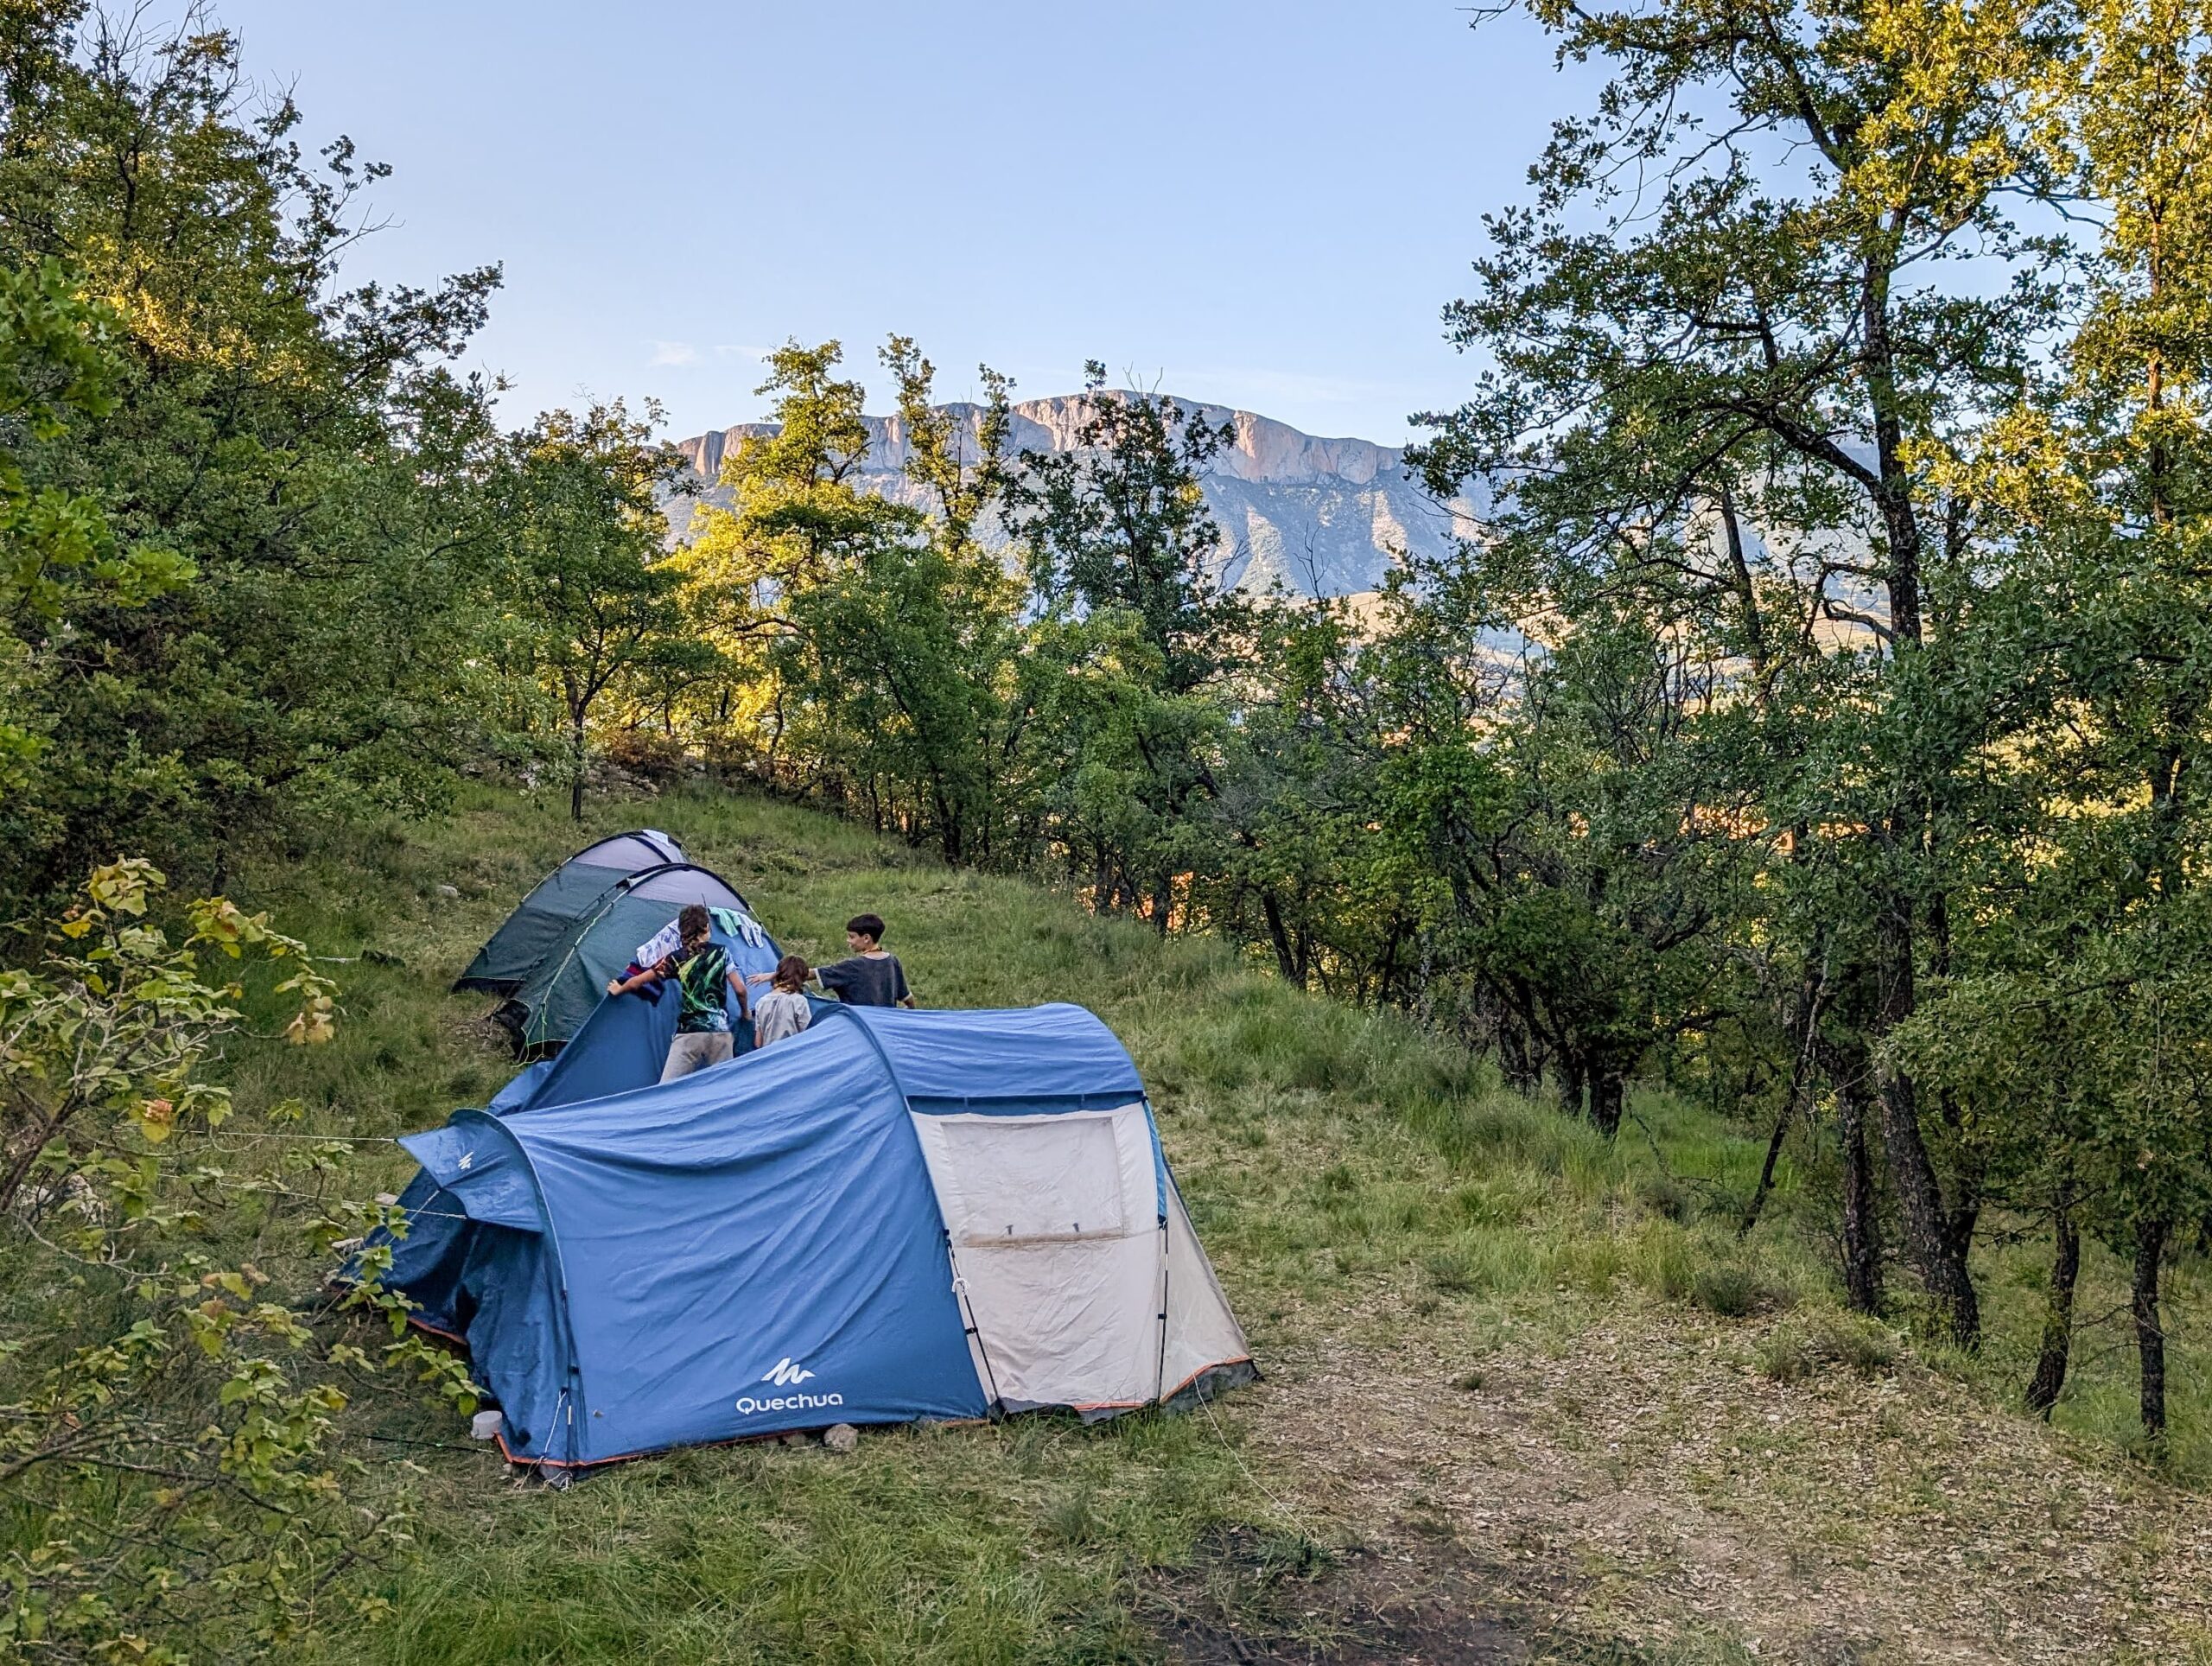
x=955, y=1545
x=1350, y=1177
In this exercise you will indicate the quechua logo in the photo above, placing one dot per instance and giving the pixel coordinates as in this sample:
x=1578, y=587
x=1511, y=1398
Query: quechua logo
x=787, y=1373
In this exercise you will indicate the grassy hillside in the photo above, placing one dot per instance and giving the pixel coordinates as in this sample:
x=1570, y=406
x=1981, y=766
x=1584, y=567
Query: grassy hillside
x=1526, y=1396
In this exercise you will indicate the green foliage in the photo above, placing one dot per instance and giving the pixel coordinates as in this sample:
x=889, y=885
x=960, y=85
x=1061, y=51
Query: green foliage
x=594, y=597
x=1731, y=1289
x=796, y=524
x=167, y=1418
x=1857, y=512
x=1118, y=523
x=1802, y=1346
x=891, y=662
x=293, y=447
x=900, y=676
x=58, y=552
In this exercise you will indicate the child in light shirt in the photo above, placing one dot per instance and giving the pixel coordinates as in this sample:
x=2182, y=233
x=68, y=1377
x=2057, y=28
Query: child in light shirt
x=783, y=1012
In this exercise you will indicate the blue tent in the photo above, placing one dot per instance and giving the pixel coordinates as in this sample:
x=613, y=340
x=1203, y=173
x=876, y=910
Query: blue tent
x=894, y=1215
x=622, y=1046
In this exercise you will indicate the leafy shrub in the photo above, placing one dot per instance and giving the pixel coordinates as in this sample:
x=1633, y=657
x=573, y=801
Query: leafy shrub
x=1492, y=1260
x=168, y=1480
x=1664, y=1260
x=1505, y=1198
x=1664, y=1195
x=656, y=757
x=1073, y=1518
x=1588, y=1265
x=1451, y=1272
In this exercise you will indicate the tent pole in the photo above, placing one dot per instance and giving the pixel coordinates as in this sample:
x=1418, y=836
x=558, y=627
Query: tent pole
x=960, y=1289
x=1160, y=1382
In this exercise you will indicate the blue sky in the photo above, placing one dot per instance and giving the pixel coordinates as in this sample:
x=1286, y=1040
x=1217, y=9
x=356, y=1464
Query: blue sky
x=1262, y=204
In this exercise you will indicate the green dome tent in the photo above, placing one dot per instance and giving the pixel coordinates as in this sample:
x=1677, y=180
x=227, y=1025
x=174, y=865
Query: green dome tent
x=555, y=1000
x=568, y=894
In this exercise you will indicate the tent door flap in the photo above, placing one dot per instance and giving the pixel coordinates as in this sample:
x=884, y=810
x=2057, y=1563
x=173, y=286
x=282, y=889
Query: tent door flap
x=1053, y=1221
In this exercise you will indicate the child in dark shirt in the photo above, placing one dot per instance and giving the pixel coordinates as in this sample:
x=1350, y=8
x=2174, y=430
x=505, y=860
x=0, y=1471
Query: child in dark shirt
x=872, y=977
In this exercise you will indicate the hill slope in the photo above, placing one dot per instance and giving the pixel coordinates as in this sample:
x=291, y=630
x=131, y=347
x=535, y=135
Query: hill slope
x=1525, y=1397
x=1323, y=516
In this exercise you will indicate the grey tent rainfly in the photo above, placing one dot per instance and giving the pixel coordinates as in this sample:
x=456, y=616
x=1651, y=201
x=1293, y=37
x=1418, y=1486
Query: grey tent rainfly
x=553, y=955
x=562, y=897
x=555, y=1000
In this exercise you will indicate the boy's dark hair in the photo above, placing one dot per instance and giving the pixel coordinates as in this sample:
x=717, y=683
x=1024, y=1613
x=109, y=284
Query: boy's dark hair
x=695, y=921
x=867, y=925
x=792, y=973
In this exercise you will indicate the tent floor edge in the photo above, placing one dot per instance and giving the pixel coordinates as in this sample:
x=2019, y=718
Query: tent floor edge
x=499, y=986
x=1199, y=1388
x=1210, y=1385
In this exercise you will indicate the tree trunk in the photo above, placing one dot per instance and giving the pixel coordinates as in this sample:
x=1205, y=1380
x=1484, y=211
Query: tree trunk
x=1808, y=1018
x=1934, y=1237
x=2150, y=1332
x=948, y=829
x=2058, y=1308
x=576, y=765
x=1278, y=936
x=1937, y=1249
x=1572, y=1080
x=1940, y=1256
x=1862, y=1221
x=1521, y=1074
x=1608, y=1096
x=1781, y=1121
x=1862, y=1224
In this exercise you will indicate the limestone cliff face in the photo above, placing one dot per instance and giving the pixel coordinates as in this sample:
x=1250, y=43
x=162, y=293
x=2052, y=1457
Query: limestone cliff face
x=1323, y=516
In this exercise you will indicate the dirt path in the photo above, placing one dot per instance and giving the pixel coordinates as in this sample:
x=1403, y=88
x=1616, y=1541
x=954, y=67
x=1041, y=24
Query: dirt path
x=1642, y=1492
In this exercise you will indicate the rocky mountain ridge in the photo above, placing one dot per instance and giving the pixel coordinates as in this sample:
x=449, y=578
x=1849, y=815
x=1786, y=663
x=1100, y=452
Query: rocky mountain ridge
x=1323, y=516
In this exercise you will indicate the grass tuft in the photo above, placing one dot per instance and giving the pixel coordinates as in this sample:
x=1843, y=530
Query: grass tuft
x=1801, y=1348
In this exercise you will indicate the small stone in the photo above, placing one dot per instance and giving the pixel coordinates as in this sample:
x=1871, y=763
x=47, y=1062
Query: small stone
x=449, y=891
x=841, y=1437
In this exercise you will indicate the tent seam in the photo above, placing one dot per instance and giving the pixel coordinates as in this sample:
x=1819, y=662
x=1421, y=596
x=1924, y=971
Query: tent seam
x=606, y=900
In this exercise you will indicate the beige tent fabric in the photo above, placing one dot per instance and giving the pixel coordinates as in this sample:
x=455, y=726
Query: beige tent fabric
x=1202, y=1332
x=1061, y=1262
x=1056, y=1250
